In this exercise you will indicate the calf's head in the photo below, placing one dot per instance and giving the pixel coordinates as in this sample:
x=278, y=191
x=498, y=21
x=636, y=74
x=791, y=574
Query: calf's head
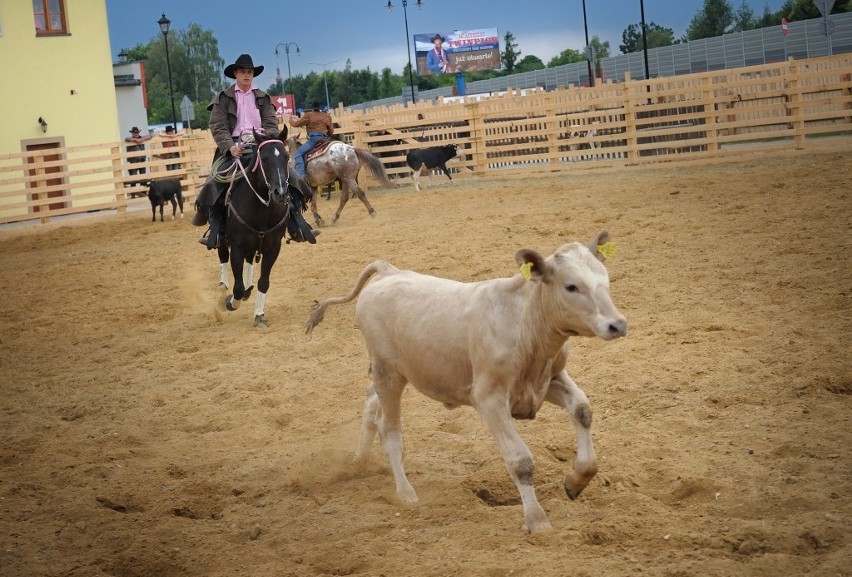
x=458, y=152
x=575, y=289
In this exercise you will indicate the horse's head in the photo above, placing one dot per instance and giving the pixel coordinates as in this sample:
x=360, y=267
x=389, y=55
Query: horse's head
x=293, y=144
x=272, y=162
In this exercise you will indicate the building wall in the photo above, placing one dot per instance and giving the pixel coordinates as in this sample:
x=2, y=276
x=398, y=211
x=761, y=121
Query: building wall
x=68, y=79
x=130, y=100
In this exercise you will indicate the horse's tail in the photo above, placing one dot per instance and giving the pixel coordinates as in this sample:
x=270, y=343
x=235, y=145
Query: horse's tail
x=375, y=165
x=318, y=310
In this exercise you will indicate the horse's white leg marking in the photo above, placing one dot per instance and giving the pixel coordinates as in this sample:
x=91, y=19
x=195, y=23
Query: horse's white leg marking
x=223, y=274
x=416, y=175
x=248, y=275
x=259, y=303
x=517, y=457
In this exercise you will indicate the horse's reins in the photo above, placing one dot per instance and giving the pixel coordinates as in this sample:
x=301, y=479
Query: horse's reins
x=234, y=176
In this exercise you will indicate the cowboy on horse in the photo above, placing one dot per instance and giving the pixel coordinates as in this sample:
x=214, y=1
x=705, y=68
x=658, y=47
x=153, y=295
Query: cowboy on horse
x=318, y=125
x=242, y=109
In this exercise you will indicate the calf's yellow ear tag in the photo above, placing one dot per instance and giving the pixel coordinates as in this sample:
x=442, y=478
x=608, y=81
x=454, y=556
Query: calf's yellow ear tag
x=607, y=249
x=526, y=270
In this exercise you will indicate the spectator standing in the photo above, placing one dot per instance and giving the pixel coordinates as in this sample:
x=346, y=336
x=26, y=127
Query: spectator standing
x=138, y=145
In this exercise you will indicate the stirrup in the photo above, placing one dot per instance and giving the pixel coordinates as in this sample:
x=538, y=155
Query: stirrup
x=205, y=239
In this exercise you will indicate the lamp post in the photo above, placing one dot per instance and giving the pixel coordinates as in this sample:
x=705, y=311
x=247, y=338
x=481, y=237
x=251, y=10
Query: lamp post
x=588, y=56
x=644, y=39
x=419, y=5
x=286, y=46
x=164, y=28
x=325, y=80
x=122, y=56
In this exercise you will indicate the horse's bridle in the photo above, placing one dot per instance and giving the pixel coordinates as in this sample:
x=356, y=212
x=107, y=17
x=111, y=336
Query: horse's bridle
x=258, y=164
x=265, y=202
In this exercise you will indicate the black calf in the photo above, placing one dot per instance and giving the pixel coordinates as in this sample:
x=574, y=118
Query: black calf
x=429, y=158
x=162, y=191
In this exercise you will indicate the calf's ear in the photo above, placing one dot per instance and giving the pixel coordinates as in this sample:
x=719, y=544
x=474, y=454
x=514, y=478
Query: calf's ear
x=532, y=261
x=601, y=239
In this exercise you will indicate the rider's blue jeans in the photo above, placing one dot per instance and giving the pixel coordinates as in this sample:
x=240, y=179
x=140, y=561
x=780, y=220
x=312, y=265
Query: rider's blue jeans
x=313, y=138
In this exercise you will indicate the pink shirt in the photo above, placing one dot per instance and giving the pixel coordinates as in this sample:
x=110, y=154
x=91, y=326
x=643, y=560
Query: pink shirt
x=248, y=115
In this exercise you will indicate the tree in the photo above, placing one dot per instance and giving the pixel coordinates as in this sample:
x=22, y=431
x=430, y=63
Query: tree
x=714, y=19
x=601, y=48
x=794, y=10
x=768, y=18
x=656, y=35
x=529, y=63
x=510, y=55
x=138, y=52
x=204, y=65
x=196, y=71
x=744, y=18
x=567, y=56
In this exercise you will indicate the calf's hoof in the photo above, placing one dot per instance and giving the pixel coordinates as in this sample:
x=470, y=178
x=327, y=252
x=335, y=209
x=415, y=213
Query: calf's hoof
x=578, y=479
x=407, y=494
x=535, y=520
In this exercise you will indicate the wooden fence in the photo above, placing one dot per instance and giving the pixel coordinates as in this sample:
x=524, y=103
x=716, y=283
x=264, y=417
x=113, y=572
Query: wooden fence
x=56, y=181
x=707, y=117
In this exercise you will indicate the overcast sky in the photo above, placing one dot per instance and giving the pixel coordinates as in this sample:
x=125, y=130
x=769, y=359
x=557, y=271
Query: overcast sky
x=364, y=31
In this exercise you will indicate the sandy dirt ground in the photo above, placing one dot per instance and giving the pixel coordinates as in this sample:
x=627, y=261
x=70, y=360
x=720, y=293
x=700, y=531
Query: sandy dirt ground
x=146, y=433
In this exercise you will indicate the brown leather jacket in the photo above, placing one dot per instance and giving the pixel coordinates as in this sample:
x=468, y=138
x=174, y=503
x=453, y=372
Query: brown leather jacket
x=223, y=116
x=314, y=121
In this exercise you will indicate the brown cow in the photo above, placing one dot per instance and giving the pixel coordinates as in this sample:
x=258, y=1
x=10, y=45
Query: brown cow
x=498, y=345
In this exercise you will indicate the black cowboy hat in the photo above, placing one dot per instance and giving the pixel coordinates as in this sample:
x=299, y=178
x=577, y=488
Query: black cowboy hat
x=437, y=37
x=134, y=129
x=316, y=105
x=170, y=128
x=244, y=61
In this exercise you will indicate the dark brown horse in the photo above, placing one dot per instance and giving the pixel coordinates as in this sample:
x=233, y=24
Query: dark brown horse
x=258, y=208
x=342, y=161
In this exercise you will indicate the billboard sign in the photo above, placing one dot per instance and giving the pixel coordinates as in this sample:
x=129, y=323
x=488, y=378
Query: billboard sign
x=457, y=51
x=284, y=104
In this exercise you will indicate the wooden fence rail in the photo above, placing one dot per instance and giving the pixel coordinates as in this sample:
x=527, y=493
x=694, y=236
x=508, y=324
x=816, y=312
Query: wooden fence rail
x=705, y=117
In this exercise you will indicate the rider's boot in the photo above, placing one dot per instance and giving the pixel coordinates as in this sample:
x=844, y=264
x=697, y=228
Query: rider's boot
x=299, y=229
x=297, y=226
x=210, y=208
x=215, y=235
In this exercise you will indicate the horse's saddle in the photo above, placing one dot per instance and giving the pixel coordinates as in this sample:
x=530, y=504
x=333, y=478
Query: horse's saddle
x=320, y=148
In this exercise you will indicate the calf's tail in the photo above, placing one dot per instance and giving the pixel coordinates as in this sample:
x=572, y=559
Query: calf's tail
x=318, y=310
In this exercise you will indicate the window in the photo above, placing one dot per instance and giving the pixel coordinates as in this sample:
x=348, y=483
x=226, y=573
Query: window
x=49, y=17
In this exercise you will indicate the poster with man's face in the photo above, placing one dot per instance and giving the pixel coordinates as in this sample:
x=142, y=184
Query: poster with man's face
x=457, y=51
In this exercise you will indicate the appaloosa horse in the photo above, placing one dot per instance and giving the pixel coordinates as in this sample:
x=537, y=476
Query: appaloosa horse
x=258, y=207
x=339, y=160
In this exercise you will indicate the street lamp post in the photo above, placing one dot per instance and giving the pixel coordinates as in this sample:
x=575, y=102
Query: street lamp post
x=164, y=28
x=419, y=5
x=588, y=55
x=325, y=80
x=644, y=39
x=286, y=46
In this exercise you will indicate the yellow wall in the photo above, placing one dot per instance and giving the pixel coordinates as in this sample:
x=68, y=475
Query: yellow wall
x=48, y=69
